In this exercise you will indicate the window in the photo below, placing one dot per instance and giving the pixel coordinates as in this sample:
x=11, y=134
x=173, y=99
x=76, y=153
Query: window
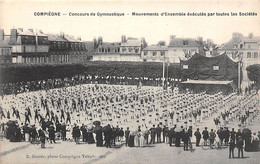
x=241, y=46
x=108, y=49
x=249, y=46
x=136, y=50
x=255, y=54
x=248, y=54
x=162, y=53
x=215, y=68
x=145, y=60
x=145, y=53
x=185, y=66
x=185, y=42
x=130, y=49
x=154, y=53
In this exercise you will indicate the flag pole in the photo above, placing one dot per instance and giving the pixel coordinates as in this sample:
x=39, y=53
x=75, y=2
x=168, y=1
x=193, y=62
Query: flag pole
x=163, y=70
x=239, y=85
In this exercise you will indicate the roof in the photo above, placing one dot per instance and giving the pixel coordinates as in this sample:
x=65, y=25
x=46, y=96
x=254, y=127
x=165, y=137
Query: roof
x=180, y=42
x=207, y=82
x=30, y=33
x=236, y=40
x=72, y=38
x=89, y=45
x=108, y=44
x=230, y=44
x=132, y=43
x=56, y=37
x=156, y=48
x=4, y=44
x=59, y=38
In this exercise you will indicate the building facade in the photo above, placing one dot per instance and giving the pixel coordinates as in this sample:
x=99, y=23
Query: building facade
x=106, y=51
x=155, y=54
x=128, y=50
x=246, y=49
x=183, y=48
x=65, y=48
x=5, y=52
x=131, y=48
x=28, y=46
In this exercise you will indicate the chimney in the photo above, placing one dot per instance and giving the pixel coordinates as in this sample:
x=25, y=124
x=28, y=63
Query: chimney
x=2, y=35
x=100, y=40
x=31, y=30
x=62, y=35
x=251, y=35
x=95, y=43
x=21, y=29
x=13, y=36
x=123, y=39
x=236, y=35
x=172, y=37
x=40, y=31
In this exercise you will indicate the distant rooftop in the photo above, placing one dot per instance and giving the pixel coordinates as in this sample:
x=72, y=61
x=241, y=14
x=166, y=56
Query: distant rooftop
x=156, y=48
x=183, y=42
x=132, y=43
x=4, y=44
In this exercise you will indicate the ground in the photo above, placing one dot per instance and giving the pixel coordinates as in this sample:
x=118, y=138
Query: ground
x=69, y=152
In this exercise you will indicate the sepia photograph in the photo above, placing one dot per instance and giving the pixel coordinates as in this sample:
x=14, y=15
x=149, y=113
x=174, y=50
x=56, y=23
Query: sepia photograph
x=129, y=82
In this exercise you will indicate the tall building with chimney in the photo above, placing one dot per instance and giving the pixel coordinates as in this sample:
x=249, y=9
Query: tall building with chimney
x=28, y=46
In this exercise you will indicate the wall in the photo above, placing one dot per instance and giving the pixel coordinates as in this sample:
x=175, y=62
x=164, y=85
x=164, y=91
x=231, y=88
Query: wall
x=174, y=53
x=153, y=56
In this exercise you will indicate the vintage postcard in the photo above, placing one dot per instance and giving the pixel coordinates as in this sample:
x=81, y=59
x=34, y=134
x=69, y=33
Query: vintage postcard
x=129, y=82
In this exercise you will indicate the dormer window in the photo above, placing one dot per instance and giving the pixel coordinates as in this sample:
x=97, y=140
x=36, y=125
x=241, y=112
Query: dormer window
x=185, y=42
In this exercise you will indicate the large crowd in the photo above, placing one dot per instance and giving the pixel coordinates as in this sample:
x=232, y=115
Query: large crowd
x=136, y=115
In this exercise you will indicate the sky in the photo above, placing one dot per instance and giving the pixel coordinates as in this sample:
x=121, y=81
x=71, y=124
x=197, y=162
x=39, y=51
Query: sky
x=20, y=14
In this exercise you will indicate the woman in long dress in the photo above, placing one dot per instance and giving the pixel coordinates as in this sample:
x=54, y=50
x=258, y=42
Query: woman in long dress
x=141, y=138
x=131, y=139
x=136, y=140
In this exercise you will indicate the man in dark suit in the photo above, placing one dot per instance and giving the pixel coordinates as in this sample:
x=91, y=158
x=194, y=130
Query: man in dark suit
x=205, y=134
x=198, y=137
x=159, y=132
x=171, y=135
x=127, y=132
x=51, y=131
x=108, y=136
x=233, y=135
x=153, y=133
x=240, y=144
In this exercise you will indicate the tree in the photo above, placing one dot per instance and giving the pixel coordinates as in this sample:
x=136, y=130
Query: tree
x=161, y=43
x=253, y=73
